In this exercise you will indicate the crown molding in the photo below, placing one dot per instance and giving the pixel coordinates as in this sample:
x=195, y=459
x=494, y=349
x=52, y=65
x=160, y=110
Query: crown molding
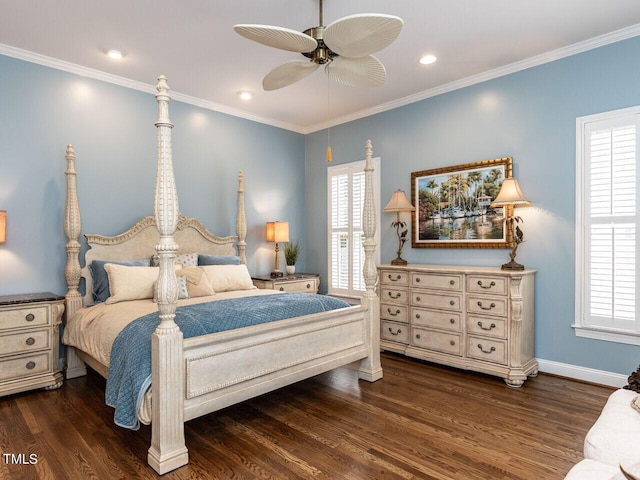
x=135, y=85
x=580, y=47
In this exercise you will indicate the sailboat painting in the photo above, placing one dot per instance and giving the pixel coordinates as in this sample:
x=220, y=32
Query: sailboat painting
x=453, y=205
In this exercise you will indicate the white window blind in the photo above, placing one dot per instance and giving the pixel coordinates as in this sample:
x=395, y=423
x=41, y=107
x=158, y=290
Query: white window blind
x=607, y=206
x=346, y=200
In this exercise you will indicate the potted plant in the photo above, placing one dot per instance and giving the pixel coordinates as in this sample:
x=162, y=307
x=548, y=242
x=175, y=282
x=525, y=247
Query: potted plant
x=291, y=254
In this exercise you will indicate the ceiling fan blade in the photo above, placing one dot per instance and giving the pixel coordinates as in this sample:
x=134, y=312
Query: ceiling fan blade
x=288, y=73
x=363, y=34
x=278, y=37
x=357, y=72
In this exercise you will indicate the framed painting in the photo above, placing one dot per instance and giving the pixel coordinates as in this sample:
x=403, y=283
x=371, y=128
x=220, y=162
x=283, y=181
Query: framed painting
x=453, y=206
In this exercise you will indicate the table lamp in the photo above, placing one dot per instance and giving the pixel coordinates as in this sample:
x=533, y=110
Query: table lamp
x=510, y=195
x=277, y=232
x=399, y=203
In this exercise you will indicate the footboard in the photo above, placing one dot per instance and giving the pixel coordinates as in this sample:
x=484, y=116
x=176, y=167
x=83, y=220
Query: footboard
x=226, y=368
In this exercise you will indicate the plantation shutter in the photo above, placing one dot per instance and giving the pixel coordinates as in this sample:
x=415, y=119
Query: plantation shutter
x=610, y=260
x=346, y=236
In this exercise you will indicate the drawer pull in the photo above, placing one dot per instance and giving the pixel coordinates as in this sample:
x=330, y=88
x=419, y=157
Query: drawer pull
x=30, y=317
x=491, y=327
x=282, y=289
x=452, y=321
x=394, y=314
x=417, y=316
x=417, y=335
x=398, y=295
x=452, y=282
x=308, y=285
x=492, y=284
x=493, y=305
x=452, y=342
x=30, y=341
x=452, y=303
x=395, y=333
x=30, y=365
x=418, y=280
x=397, y=279
x=491, y=350
x=417, y=299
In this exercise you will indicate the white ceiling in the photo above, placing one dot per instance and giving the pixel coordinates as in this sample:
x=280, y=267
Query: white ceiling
x=193, y=44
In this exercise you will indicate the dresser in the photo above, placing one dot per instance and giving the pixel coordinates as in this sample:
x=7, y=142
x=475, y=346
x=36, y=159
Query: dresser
x=29, y=342
x=298, y=282
x=474, y=318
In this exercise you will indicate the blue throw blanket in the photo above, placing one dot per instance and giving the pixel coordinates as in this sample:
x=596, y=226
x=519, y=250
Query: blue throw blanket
x=130, y=365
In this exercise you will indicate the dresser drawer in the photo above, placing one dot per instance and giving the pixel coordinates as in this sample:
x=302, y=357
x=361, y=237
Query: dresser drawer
x=445, y=301
x=452, y=282
x=394, y=295
x=23, y=317
x=487, y=305
x=24, y=342
x=397, y=313
x=489, y=326
x=394, y=332
x=494, y=351
x=391, y=277
x=440, y=341
x=436, y=319
x=493, y=285
x=24, y=366
x=308, y=285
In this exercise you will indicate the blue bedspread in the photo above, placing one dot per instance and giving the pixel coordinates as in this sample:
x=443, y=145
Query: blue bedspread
x=130, y=365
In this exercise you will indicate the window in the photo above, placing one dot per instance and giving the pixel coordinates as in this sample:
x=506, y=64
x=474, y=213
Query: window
x=607, y=226
x=346, y=200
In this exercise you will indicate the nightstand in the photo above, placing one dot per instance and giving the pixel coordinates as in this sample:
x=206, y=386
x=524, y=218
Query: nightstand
x=298, y=282
x=30, y=342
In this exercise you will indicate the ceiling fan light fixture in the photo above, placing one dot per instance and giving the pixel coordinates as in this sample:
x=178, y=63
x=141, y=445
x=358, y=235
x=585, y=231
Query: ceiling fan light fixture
x=345, y=47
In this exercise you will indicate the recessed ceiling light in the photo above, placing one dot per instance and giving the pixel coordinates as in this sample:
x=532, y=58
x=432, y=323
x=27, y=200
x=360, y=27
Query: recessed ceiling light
x=115, y=54
x=428, y=59
x=245, y=95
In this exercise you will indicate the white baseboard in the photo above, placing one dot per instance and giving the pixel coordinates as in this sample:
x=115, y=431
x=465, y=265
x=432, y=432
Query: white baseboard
x=582, y=373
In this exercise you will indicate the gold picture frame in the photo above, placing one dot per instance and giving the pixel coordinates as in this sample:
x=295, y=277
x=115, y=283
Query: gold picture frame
x=453, y=206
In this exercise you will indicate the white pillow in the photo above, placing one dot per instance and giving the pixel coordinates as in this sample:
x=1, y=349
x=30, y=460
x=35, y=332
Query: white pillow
x=225, y=278
x=197, y=282
x=130, y=283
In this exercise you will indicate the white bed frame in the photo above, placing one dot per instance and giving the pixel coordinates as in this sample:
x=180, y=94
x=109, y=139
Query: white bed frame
x=200, y=375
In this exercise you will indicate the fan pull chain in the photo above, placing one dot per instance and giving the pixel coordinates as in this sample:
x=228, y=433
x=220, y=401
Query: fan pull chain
x=329, y=154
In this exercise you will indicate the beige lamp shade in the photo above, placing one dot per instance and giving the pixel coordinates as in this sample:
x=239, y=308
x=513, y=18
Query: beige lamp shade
x=3, y=226
x=510, y=194
x=277, y=232
x=399, y=203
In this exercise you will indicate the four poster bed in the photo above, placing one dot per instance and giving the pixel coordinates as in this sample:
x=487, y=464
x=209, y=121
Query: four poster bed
x=203, y=373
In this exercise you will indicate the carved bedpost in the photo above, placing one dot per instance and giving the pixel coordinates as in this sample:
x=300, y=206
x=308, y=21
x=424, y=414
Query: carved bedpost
x=168, y=450
x=370, y=368
x=72, y=228
x=241, y=221
x=74, y=367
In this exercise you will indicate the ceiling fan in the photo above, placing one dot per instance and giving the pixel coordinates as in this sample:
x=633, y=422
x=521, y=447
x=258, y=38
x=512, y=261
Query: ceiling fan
x=345, y=47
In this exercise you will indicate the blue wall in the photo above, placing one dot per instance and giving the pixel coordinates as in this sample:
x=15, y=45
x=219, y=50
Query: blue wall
x=529, y=115
x=114, y=137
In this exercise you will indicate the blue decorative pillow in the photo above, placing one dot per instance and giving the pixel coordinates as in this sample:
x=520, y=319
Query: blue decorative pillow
x=101, y=280
x=218, y=260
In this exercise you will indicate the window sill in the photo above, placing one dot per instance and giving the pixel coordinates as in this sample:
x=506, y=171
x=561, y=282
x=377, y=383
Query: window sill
x=608, y=335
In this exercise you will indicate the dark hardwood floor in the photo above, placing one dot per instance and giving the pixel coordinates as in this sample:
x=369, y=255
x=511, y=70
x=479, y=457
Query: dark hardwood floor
x=420, y=421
